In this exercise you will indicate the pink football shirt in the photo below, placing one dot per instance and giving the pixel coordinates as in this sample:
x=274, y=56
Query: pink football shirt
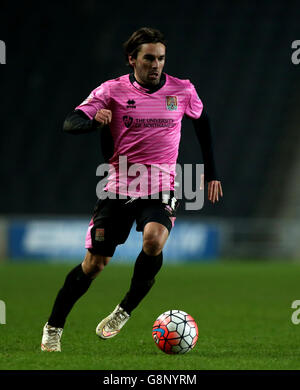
x=146, y=129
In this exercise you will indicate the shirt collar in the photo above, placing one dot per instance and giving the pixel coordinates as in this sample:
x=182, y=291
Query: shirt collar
x=151, y=89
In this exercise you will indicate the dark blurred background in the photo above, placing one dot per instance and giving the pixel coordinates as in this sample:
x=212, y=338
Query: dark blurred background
x=237, y=54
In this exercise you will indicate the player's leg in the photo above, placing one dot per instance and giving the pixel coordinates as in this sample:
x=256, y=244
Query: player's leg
x=101, y=246
x=147, y=265
x=156, y=220
x=76, y=284
x=93, y=264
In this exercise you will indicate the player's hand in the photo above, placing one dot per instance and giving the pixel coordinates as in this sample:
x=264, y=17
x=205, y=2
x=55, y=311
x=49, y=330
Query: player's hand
x=103, y=116
x=214, y=191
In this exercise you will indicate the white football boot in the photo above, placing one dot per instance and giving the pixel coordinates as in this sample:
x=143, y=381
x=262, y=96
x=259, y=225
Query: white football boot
x=111, y=325
x=51, y=338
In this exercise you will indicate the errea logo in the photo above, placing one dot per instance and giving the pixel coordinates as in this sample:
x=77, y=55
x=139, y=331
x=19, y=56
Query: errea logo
x=2, y=53
x=131, y=104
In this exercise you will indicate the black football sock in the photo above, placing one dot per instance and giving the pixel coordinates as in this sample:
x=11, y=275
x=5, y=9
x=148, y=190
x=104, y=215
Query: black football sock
x=76, y=284
x=145, y=269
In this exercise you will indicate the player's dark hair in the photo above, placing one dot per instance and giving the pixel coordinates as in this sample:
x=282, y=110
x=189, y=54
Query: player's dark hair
x=138, y=38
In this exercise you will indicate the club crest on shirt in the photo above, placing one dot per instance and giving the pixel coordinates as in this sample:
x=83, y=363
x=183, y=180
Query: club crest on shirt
x=127, y=120
x=171, y=102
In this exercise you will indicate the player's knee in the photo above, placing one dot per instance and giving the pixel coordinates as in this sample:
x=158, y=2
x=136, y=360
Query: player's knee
x=154, y=238
x=152, y=245
x=93, y=264
x=99, y=262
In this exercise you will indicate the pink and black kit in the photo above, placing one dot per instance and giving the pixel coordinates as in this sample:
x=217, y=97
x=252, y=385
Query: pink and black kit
x=146, y=129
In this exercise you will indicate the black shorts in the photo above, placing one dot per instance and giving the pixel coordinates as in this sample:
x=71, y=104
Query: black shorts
x=113, y=219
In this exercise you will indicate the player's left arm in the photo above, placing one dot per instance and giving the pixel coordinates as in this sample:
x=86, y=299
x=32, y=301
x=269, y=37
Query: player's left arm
x=203, y=132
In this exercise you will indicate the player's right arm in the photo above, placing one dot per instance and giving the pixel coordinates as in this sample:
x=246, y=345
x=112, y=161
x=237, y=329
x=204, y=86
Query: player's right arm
x=92, y=114
x=77, y=122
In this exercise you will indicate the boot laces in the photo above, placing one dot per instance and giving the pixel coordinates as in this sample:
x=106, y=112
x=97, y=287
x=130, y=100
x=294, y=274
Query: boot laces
x=116, y=320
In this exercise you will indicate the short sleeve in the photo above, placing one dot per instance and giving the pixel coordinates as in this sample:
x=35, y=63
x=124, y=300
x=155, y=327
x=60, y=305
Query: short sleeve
x=194, y=105
x=97, y=99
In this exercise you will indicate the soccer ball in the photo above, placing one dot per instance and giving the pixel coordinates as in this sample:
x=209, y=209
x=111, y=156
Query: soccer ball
x=175, y=332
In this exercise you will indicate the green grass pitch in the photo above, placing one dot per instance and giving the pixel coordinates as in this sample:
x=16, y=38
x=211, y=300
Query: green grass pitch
x=243, y=311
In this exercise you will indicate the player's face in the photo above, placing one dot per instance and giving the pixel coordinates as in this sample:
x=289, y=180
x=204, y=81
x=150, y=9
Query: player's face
x=149, y=63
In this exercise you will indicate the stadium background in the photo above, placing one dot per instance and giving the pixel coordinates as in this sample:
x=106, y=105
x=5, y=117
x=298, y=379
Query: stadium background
x=238, y=55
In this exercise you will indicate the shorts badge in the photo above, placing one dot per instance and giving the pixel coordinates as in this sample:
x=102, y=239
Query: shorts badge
x=171, y=103
x=99, y=235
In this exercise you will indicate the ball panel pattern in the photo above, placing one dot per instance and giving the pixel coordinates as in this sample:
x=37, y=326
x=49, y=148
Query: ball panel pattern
x=175, y=332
